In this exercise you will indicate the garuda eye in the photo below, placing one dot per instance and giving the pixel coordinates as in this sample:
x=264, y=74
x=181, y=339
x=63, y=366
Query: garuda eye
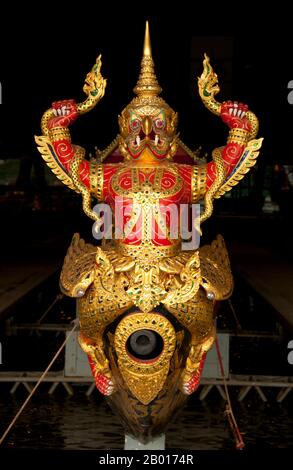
x=160, y=124
x=135, y=124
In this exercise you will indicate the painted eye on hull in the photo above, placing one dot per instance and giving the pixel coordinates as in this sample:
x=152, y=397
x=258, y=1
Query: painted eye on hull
x=135, y=124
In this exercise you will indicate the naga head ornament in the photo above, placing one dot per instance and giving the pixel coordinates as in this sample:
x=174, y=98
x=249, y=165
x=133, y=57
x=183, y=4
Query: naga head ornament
x=148, y=124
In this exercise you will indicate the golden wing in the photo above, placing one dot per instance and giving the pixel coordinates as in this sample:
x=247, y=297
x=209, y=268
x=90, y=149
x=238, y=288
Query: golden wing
x=47, y=151
x=78, y=269
x=247, y=161
x=215, y=269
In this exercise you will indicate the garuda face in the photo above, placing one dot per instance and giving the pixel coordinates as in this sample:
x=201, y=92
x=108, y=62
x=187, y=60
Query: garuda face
x=148, y=131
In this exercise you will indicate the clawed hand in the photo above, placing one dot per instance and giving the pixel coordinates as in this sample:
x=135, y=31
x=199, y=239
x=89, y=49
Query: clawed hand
x=65, y=112
x=234, y=114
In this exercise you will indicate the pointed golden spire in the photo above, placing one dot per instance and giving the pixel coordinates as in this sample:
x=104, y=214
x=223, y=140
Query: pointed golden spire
x=147, y=84
x=147, y=47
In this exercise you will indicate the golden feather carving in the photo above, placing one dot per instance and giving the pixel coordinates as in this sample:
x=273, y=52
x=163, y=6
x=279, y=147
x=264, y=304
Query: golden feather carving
x=46, y=149
x=246, y=162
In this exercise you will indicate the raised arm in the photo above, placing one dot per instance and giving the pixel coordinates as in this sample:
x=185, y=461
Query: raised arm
x=235, y=116
x=65, y=159
x=65, y=113
x=232, y=162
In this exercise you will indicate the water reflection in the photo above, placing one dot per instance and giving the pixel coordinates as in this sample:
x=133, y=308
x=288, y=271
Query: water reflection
x=78, y=422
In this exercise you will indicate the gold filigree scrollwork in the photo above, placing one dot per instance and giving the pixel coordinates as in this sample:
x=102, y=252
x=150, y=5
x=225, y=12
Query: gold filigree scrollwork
x=79, y=268
x=190, y=277
x=146, y=291
x=144, y=378
x=196, y=354
x=95, y=350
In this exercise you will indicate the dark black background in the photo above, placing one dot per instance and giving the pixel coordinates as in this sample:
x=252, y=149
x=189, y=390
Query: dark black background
x=47, y=49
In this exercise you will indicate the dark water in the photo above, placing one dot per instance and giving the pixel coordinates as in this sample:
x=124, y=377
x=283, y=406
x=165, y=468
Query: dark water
x=78, y=422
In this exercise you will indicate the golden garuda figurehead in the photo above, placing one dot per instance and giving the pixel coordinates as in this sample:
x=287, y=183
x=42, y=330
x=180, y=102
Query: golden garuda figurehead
x=146, y=303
